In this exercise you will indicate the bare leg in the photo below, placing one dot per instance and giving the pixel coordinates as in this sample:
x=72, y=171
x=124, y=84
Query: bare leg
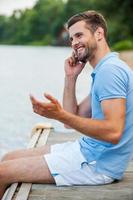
x=24, y=153
x=34, y=170
x=27, y=153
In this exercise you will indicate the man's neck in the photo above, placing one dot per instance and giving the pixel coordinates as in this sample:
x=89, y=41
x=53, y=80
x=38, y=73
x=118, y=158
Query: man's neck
x=99, y=54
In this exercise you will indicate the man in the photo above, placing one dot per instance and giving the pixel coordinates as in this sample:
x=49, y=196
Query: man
x=104, y=117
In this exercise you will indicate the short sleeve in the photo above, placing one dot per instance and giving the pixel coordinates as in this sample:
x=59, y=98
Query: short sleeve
x=111, y=82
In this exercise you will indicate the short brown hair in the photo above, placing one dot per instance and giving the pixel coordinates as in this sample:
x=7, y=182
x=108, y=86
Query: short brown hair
x=92, y=19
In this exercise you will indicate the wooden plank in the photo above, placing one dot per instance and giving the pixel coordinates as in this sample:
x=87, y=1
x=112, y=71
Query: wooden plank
x=24, y=191
x=25, y=188
x=34, y=139
x=43, y=138
x=130, y=167
x=10, y=192
x=116, y=191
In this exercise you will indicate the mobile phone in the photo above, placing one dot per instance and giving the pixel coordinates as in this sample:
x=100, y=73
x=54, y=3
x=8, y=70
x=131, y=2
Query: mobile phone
x=75, y=58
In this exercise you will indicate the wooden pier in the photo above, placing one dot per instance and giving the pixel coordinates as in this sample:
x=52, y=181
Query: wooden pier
x=43, y=134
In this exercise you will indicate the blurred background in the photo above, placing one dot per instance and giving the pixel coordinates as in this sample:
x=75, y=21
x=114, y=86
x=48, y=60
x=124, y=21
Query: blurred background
x=33, y=47
x=41, y=22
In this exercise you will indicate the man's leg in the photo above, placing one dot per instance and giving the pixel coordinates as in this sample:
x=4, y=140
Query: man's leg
x=27, y=153
x=29, y=170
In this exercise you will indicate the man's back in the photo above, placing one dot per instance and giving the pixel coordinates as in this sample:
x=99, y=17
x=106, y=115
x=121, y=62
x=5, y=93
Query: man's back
x=112, y=79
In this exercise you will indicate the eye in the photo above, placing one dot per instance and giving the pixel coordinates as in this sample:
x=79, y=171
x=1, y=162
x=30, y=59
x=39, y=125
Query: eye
x=79, y=35
x=70, y=39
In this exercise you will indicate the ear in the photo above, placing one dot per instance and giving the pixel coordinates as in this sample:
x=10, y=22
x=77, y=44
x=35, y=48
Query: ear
x=99, y=34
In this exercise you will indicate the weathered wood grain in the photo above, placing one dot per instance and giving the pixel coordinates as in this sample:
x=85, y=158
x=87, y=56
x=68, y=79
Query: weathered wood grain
x=122, y=190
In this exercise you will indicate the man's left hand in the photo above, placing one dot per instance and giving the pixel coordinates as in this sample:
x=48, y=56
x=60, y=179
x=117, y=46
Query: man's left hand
x=51, y=109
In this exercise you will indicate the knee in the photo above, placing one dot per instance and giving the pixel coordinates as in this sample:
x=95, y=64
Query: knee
x=8, y=156
x=4, y=182
x=2, y=172
x=12, y=155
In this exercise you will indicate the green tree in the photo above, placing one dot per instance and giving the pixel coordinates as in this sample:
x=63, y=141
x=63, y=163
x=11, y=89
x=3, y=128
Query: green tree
x=73, y=7
x=44, y=22
x=120, y=17
x=2, y=27
x=47, y=20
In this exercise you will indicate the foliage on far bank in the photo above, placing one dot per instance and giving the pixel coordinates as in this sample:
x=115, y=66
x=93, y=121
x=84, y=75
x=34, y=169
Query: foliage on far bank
x=123, y=45
x=44, y=23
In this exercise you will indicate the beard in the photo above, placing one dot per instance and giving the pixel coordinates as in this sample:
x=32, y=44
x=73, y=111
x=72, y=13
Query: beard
x=88, y=52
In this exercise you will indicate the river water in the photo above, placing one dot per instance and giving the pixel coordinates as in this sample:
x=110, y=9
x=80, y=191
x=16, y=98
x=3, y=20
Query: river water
x=31, y=70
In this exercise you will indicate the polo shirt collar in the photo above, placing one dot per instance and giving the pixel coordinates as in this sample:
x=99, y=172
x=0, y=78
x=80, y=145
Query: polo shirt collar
x=106, y=57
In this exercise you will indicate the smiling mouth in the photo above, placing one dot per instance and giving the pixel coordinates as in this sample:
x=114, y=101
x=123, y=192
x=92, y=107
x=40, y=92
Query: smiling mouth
x=79, y=49
x=81, y=54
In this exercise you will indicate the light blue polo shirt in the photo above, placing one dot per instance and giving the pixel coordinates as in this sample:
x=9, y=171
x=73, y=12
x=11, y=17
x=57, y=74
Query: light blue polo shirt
x=112, y=78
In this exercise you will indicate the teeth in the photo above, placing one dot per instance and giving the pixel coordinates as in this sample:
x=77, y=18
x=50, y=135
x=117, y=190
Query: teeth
x=80, y=48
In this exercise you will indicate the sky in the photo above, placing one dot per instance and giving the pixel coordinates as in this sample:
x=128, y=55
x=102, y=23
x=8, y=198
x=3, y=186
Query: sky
x=7, y=6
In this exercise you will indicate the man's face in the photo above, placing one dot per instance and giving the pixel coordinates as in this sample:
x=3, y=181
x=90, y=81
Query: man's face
x=83, y=41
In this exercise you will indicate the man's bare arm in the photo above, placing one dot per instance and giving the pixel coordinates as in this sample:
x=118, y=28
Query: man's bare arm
x=70, y=102
x=72, y=70
x=69, y=97
x=84, y=108
x=108, y=129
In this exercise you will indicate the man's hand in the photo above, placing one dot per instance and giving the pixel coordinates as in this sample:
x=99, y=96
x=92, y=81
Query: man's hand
x=51, y=109
x=73, y=67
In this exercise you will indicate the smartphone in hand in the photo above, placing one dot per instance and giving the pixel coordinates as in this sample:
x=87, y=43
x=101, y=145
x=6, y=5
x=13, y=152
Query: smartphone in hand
x=76, y=59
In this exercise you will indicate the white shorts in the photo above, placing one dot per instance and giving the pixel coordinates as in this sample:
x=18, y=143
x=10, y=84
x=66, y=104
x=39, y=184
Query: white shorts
x=69, y=167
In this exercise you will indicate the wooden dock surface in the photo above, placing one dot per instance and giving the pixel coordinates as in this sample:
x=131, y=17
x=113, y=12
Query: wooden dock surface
x=122, y=190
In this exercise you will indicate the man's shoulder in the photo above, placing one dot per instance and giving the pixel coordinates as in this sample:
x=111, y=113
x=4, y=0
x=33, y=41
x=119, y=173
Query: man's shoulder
x=116, y=67
x=116, y=63
x=113, y=76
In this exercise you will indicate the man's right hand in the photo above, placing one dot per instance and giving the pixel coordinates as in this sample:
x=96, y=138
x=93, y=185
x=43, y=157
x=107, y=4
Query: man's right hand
x=73, y=67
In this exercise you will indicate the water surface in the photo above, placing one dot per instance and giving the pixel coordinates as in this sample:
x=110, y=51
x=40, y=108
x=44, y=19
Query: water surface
x=35, y=70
